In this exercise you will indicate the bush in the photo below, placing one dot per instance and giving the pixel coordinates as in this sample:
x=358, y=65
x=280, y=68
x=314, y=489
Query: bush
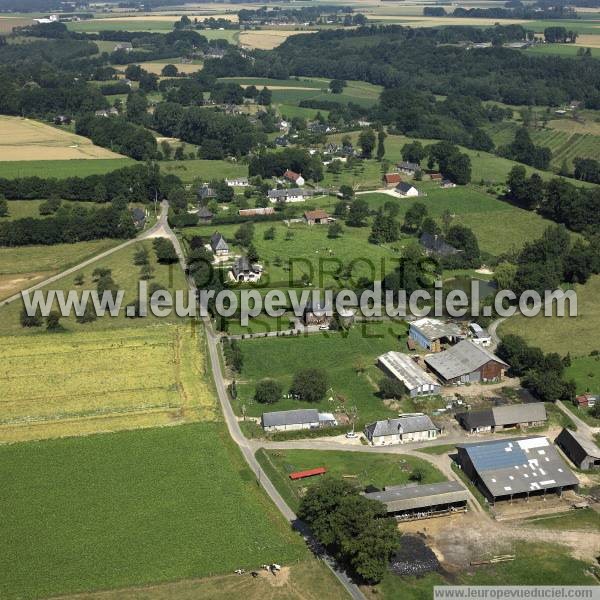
x=391, y=388
x=310, y=385
x=268, y=391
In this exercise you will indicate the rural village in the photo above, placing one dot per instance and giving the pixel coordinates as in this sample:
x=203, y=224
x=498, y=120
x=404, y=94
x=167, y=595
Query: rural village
x=296, y=149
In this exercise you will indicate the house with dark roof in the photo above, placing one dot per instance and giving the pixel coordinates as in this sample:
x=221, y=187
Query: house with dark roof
x=205, y=192
x=204, y=215
x=581, y=451
x=293, y=420
x=218, y=244
x=139, y=217
x=243, y=271
x=508, y=416
x=515, y=468
x=408, y=168
x=402, y=430
x=466, y=363
x=289, y=195
x=435, y=244
x=406, y=190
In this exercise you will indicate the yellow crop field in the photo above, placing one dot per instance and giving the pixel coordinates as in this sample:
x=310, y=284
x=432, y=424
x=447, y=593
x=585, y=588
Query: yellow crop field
x=25, y=139
x=57, y=385
x=157, y=68
x=266, y=39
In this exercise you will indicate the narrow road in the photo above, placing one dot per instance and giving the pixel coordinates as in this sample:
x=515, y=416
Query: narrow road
x=582, y=426
x=155, y=231
x=246, y=447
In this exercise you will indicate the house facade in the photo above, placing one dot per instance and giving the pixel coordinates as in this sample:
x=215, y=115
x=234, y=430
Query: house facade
x=406, y=190
x=294, y=420
x=243, y=271
x=289, y=195
x=402, y=430
x=218, y=244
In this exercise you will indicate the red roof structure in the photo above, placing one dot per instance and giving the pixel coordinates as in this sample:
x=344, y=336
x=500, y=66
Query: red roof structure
x=291, y=175
x=308, y=473
x=392, y=178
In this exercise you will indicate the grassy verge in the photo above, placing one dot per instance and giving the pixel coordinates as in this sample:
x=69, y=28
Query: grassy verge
x=587, y=519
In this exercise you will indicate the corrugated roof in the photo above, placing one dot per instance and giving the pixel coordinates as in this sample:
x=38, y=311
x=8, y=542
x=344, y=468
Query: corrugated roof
x=406, y=370
x=519, y=413
x=434, y=329
x=461, y=359
x=290, y=417
x=519, y=465
x=584, y=443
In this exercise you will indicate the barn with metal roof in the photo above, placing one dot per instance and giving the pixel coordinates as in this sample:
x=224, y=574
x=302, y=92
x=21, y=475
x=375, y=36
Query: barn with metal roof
x=582, y=451
x=414, y=501
x=415, y=379
x=513, y=468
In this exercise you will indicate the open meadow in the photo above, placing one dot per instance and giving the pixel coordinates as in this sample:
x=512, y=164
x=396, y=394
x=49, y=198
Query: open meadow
x=205, y=170
x=26, y=140
x=60, y=169
x=133, y=508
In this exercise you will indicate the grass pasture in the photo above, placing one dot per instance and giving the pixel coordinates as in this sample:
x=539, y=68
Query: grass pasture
x=108, y=388
x=133, y=508
x=28, y=140
x=60, y=169
x=360, y=468
x=206, y=170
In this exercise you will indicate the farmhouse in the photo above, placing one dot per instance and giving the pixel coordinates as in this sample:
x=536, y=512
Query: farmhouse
x=417, y=381
x=434, y=244
x=126, y=46
x=316, y=217
x=408, y=168
x=466, y=363
x=479, y=335
x=218, y=244
x=432, y=333
x=498, y=418
x=583, y=453
x=254, y=212
x=292, y=420
x=204, y=215
x=515, y=468
x=295, y=178
x=391, y=179
x=289, y=195
x=413, y=501
x=245, y=271
x=406, y=190
x=237, y=182
x=404, y=429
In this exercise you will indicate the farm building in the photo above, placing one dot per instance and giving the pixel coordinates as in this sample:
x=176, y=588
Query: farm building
x=205, y=192
x=434, y=244
x=516, y=468
x=237, y=182
x=406, y=190
x=436, y=177
x=583, y=453
x=392, y=179
x=466, y=363
x=509, y=416
x=585, y=400
x=204, y=215
x=415, y=379
x=292, y=420
x=413, y=501
x=479, y=335
x=244, y=271
x=408, y=168
x=289, y=195
x=295, y=178
x=316, y=217
x=254, y=212
x=218, y=244
x=447, y=184
x=404, y=429
x=317, y=313
x=432, y=333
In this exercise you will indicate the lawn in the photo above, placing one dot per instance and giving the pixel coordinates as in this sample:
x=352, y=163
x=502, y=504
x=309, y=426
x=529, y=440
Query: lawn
x=587, y=519
x=26, y=265
x=60, y=169
x=103, y=391
x=205, y=170
x=126, y=276
x=133, y=508
x=361, y=468
x=535, y=564
x=342, y=356
x=577, y=335
x=585, y=370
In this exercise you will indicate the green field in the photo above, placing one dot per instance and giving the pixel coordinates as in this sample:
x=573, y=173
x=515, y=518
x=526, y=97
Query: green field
x=586, y=518
x=205, y=170
x=360, y=468
x=133, y=508
x=563, y=50
x=339, y=356
x=61, y=169
x=585, y=370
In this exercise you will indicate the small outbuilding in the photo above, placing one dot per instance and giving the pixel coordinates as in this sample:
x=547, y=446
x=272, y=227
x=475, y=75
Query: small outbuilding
x=293, y=420
x=391, y=180
x=406, y=190
x=581, y=451
x=243, y=271
x=316, y=217
x=508, y=416
x=218, y=244
x=139, y=217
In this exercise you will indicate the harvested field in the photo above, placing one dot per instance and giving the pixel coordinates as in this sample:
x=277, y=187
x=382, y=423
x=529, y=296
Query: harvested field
x=25, y=139
x=7, y=24
x=157, y=68
x=589, y=41
x=104, y=389
x=266, y=39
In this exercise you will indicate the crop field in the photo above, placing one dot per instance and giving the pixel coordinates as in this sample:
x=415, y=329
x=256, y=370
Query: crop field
x=7, y=24
x=157, y=67
x=280, y=358
x=577, y=335
x=25, y=266
x=60, y=169
x=266, y=39
x=57, y=395
x=125, y=274
x=360, y=468
x=133, y=508
x=26, y=140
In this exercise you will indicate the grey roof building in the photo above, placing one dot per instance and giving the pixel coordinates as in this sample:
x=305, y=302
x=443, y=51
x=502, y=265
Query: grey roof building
x=289, y=194
x=466, y=362
x=415, y=379
x=425, y=500
x=407, y=167
x=582, y=452
x=434, y=244
x=530, y=414
x=218, y=243
x=291, y=420
x=515, y=467
x=407, y=428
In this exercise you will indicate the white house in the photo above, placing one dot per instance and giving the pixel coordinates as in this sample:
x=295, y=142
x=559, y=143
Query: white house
x=218, y=244
x=479, y=335
x=403, y=430
x=406, y=190
x=238, y=182
x=289, y=195
x=293, y=177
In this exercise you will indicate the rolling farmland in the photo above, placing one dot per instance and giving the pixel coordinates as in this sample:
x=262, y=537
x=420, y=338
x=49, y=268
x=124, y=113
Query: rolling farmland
x=60, y=169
